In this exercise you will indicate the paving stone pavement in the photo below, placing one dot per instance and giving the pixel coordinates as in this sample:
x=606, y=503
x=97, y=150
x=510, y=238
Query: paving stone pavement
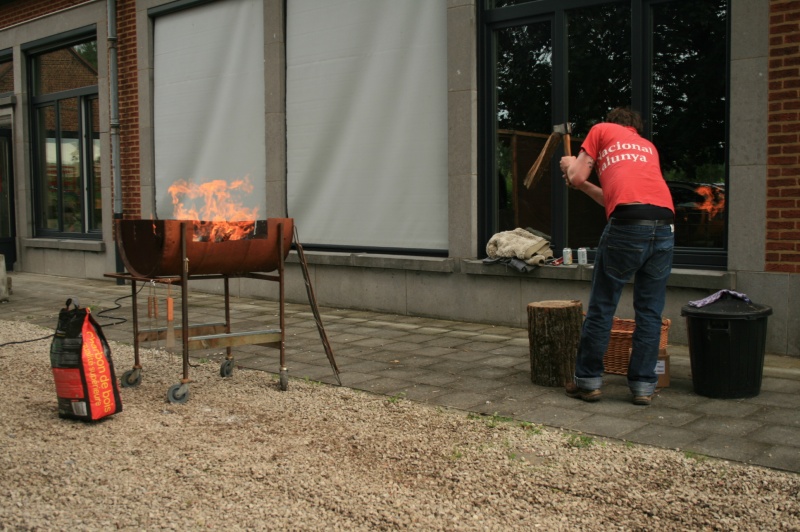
x=473, y=367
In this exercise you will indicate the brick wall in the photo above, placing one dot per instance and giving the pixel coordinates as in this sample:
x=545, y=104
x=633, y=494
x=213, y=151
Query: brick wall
x=783, y=165
x=16, y=12
x=20, y=11
x=128, y=108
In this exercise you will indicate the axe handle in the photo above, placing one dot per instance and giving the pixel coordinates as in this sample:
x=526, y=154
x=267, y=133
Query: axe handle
x=567, y=145
x=536, y=171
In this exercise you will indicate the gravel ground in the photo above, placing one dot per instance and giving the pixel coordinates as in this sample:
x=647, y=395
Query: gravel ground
x=241, y=454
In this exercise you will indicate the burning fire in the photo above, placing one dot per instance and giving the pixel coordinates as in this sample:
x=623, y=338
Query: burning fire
x=213, y=219
x=713, y=200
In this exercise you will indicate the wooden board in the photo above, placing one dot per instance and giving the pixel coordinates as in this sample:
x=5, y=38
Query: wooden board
x=272, y=336
x=157, y=334
x=539, y=166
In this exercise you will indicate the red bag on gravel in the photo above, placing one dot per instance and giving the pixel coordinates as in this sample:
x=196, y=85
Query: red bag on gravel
x=80, y=358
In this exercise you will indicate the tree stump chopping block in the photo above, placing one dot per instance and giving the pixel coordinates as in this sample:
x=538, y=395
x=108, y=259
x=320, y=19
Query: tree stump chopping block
x=554, y=332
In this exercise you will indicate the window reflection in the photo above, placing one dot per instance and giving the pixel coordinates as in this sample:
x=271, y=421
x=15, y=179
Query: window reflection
x=70, y=165
x=599, y=59
x=524, y=67
x=48, y=194
x=64, y=69
x=689, y=109
x=66, y=135
x=96, y=203
x=675, y=75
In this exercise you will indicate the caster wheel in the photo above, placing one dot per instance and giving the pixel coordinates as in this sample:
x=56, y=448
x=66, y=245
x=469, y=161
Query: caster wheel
x=131, y=378
x=226, y=368
x=284, y=380
x=178, y=394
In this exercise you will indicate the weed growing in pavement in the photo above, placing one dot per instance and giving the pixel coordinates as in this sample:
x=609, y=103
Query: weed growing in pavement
x=580, y=442
x=396, y=398
x=530, y=427
x=495, y=419
x=695, y=456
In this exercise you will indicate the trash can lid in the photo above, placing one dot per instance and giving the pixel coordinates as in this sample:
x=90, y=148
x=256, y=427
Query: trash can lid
x=728, y=308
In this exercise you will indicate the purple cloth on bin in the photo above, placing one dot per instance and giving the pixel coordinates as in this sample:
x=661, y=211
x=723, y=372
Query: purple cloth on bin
x=715, y=297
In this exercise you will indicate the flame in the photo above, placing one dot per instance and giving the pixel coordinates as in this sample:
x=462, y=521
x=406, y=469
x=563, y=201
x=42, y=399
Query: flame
x=214, y=220
x=713, y=200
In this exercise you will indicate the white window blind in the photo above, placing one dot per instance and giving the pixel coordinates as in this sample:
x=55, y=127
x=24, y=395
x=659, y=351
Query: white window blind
x=209, y=101
x=367, y=122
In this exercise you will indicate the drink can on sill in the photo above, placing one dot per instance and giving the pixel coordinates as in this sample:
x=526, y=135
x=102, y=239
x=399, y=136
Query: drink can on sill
x=567, y=255
x=582, y=257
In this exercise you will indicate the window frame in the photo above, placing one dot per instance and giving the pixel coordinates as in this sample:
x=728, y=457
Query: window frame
x=490, y=20
x=85, y=96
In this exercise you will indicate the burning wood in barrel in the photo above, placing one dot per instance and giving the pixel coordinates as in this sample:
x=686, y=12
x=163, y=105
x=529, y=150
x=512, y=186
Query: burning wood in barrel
x=221, y=235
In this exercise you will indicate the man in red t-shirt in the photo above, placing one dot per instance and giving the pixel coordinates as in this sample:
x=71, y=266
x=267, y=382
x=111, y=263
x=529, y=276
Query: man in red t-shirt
x=637, y=242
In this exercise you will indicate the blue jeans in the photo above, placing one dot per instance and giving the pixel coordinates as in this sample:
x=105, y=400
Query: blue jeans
x=625, y=251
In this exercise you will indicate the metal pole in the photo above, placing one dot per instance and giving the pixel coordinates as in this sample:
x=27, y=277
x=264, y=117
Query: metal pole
x=185, y=302
x=114, y=123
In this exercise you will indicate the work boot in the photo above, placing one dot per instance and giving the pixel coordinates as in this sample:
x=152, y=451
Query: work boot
x=642, y=400
x=590, y=396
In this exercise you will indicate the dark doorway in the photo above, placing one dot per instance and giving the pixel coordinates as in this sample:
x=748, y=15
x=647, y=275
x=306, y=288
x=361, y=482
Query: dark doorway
x=8, y=233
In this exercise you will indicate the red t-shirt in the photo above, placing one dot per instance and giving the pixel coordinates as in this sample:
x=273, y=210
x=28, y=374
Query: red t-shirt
x=628, y=167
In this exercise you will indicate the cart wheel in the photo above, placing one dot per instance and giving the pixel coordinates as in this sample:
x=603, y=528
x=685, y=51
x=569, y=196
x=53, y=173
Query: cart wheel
x=284, y=380
x=178, y=394
x=226, y=368
x=131, y=378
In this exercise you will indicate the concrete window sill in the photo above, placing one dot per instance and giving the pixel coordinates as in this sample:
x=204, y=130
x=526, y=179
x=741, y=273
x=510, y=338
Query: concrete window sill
x=683, y=278
x=64, y=244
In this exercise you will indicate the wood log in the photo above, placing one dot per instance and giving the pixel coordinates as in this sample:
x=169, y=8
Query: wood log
x=554, y=331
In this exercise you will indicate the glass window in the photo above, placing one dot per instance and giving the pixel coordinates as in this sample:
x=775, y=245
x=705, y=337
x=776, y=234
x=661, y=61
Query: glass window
x=547, y=65
x=48, y=164
x=66, y=148
x=524, y=68
x=71, y=67
x=688, y=114
x=599, y=69
x=95, y=208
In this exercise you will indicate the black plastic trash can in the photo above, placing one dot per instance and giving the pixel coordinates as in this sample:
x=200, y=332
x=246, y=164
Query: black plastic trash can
x=727, y=340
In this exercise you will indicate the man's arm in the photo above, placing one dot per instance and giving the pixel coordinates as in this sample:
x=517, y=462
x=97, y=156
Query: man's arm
x=576, y=172
x=593, y=191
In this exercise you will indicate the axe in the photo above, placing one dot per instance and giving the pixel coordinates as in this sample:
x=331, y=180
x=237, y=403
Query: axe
x=535, y=173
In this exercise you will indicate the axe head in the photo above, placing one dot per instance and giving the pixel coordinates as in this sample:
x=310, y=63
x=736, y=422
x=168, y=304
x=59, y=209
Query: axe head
x=563, y=129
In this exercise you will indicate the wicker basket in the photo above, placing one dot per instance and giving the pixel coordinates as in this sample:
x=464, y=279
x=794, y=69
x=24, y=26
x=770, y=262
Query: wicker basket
x=619, y=346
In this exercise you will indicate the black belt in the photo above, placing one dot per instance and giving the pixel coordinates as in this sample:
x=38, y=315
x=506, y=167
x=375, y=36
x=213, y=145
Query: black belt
x=652, y=223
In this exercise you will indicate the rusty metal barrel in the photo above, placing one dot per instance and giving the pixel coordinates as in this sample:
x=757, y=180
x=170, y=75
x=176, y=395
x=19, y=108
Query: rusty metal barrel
x=153, y=248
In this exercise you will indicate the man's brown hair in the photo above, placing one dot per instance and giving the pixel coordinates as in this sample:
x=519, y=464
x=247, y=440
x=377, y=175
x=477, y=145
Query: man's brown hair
x=625, y=116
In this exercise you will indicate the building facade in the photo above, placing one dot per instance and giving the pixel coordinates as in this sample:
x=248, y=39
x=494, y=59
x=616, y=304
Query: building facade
x=397, y=136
